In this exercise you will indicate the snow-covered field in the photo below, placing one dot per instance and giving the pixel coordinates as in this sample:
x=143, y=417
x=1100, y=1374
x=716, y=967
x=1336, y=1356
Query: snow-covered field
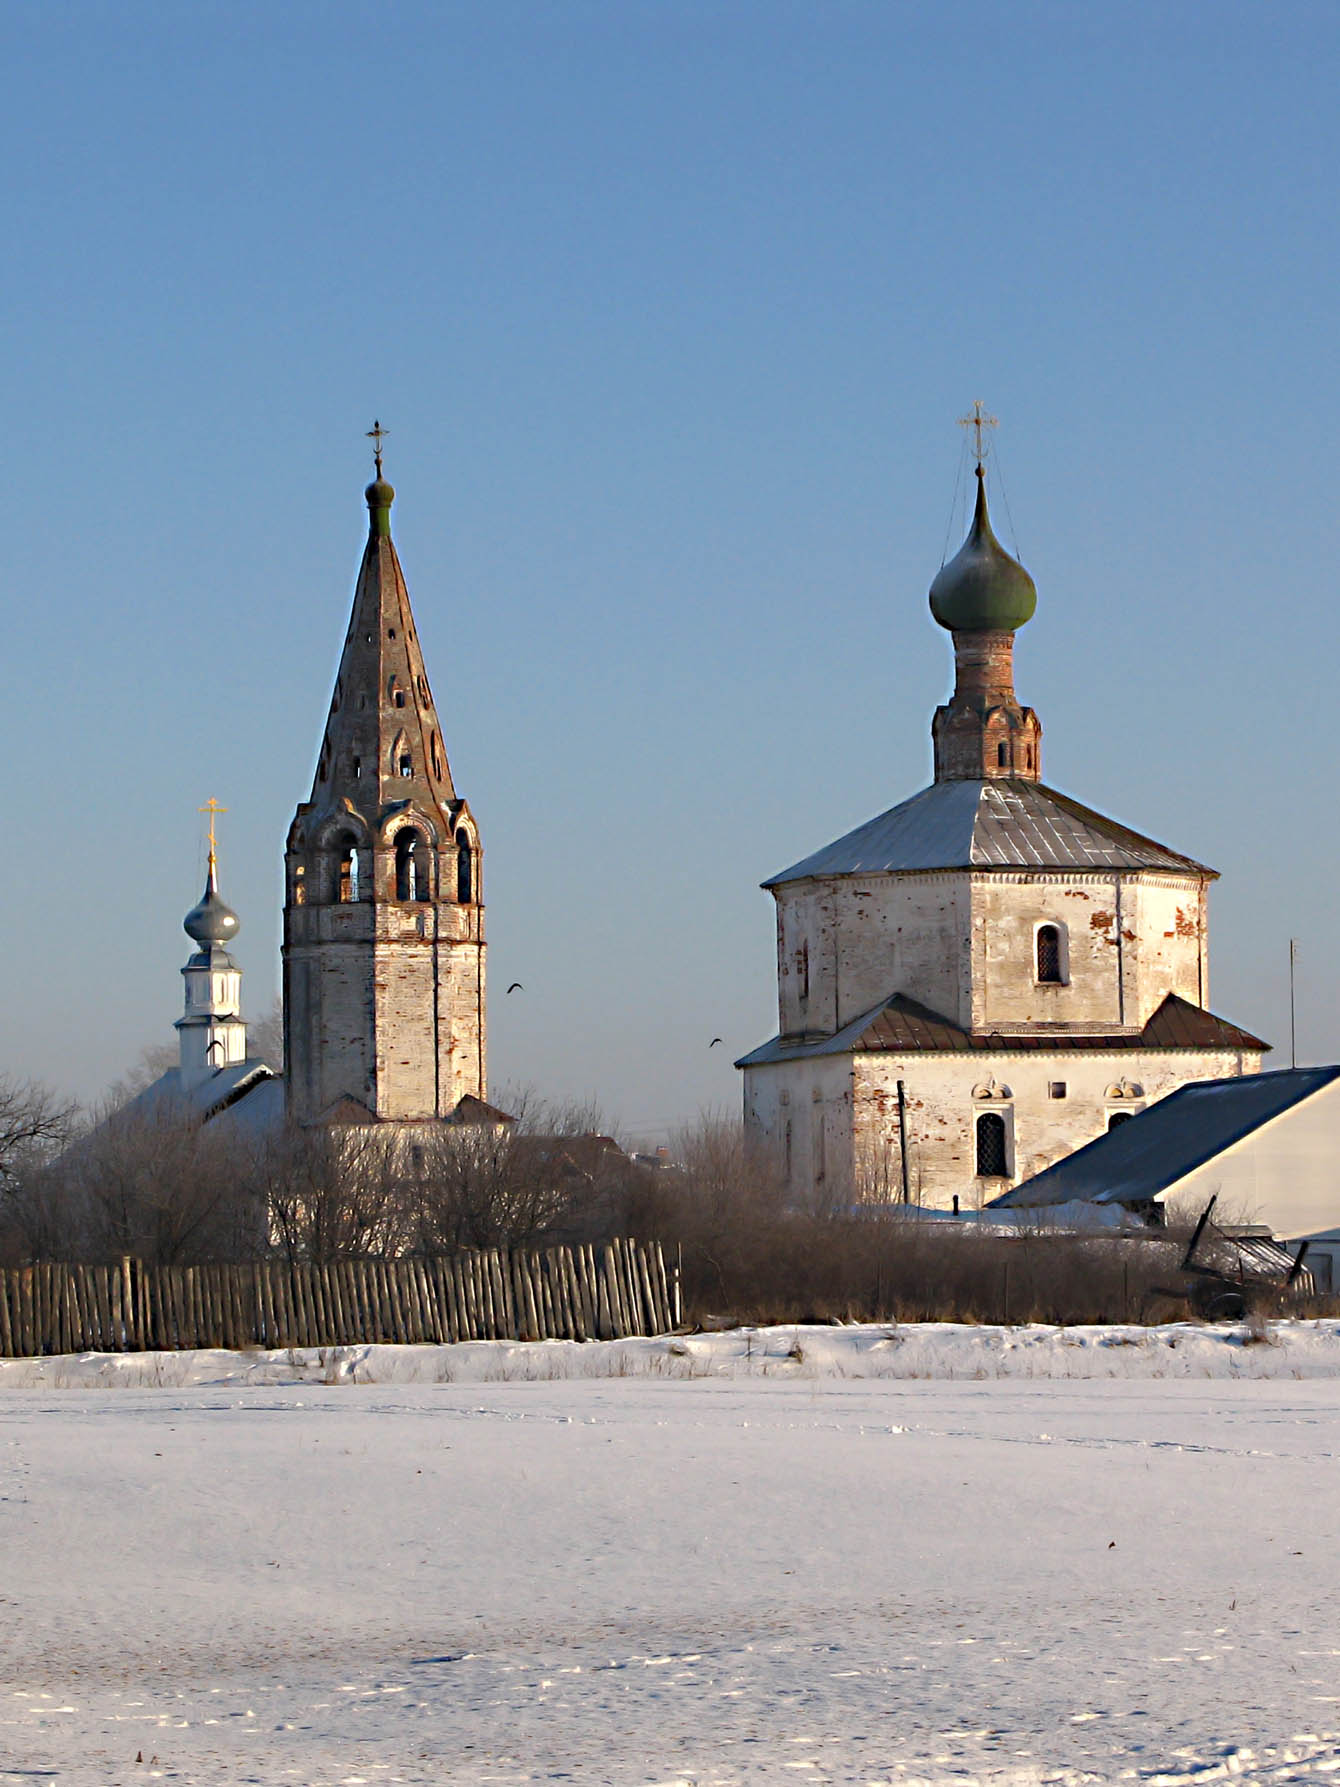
x=851, y=1555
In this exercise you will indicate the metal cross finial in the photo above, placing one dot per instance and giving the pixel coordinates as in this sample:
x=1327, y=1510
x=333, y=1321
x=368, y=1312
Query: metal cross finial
x=212, y=807
x=376, y=434
x=977, y=421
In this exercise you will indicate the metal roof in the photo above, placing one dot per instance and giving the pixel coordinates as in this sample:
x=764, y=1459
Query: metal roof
x=1004, y=824
x=1161, y=1145
x=902, y=1026
x=219, y=1089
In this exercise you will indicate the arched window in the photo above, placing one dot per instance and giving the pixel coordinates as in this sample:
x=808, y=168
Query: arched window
x=411, y=867
x=991, y=1158
x=464, y=869
x=1117, y=1118
x=1049, y=954
x=1002, y=755
x=346, y=886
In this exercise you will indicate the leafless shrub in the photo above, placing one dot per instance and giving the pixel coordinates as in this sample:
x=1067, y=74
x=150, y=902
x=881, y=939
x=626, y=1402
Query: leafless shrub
x=747, y=1257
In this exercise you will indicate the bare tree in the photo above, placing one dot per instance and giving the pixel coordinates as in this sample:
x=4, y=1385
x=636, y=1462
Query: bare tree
x=329, y=1191
x=265, y=1037
x=552, y=1170
x=34, y=1121
x=153, y=1061
x=156, y=1183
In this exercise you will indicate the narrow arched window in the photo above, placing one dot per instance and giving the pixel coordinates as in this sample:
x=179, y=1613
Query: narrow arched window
x=464, y=870
x=1117, y=1118
x=346, y=887
x=411, y=867
x=1049, y=954
x=1002, y=755
x=991, y=1159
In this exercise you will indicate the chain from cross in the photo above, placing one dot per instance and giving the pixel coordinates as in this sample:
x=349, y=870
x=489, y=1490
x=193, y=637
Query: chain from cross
x=977, y=421
x=212, y=807
x=377, y=434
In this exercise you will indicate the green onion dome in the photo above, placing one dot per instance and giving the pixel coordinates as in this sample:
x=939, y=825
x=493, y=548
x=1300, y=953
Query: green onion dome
x=982, y=589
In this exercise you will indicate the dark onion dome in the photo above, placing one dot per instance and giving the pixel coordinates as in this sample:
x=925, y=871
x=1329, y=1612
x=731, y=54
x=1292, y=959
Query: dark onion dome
x=211, y=921
x=982, y=589
x=380, y=496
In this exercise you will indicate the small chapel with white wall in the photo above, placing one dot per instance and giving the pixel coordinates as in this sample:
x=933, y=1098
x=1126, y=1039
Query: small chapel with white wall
x=989, y=975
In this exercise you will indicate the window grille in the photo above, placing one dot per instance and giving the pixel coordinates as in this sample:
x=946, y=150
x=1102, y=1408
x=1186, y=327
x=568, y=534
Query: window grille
x=991, y=1159
x=1049, y=954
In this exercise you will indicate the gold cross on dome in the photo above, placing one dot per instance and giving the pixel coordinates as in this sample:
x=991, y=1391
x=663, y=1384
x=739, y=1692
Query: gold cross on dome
x=977, y=421
x=212, y=807
x=376, y=434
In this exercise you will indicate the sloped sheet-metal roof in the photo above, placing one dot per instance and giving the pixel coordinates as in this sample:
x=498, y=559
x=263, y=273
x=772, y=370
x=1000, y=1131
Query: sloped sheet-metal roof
x=1005, y=824
x=901, y=1026
x=219, y=1090
x=1161, y=1145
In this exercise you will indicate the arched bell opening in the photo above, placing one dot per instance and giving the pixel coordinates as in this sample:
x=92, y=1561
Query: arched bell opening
x=412, y=870
x=465, y=869
x=348, y=867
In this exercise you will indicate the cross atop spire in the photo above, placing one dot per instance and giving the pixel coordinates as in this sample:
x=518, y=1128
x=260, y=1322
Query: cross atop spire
x=376, y=434
x=212, y=807
x=977, y=421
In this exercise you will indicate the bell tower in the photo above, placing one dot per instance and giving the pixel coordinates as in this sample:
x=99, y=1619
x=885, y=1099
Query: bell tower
x=383, y=914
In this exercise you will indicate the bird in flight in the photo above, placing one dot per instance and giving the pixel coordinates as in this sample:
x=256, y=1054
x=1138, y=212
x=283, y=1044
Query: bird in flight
x=516, y=987
x=715, y=1040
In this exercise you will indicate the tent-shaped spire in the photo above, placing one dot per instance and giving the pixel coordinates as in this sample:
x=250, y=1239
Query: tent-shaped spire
x=382, y=743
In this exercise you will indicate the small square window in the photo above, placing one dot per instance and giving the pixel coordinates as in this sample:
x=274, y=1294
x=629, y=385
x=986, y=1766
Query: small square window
x=1056, y=1089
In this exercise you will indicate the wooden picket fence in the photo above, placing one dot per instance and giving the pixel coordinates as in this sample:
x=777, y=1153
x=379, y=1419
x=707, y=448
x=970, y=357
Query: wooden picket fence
x=607, y=1292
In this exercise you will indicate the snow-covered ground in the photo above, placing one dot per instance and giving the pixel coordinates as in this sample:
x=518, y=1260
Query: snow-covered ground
x=854, y=1555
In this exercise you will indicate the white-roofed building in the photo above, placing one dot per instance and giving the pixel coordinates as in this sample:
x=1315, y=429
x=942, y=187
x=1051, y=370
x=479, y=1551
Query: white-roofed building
x=990, y=974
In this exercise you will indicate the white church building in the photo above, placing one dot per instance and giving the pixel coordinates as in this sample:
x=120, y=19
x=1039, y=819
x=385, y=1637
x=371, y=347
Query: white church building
x=989, y=975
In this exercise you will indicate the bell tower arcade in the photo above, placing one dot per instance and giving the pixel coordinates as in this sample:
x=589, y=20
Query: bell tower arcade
x=383, y=909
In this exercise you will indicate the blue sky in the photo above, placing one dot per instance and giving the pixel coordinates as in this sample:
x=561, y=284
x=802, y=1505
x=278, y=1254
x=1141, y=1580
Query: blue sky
x=670, y=310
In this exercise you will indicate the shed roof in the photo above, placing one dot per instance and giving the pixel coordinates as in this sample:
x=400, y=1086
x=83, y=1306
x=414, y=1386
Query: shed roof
x=1004, y=824
x=901, y=1025
x=1136, y=1162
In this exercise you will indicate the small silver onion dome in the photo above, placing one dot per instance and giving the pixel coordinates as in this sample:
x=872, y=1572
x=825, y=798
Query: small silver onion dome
x=211, y=921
